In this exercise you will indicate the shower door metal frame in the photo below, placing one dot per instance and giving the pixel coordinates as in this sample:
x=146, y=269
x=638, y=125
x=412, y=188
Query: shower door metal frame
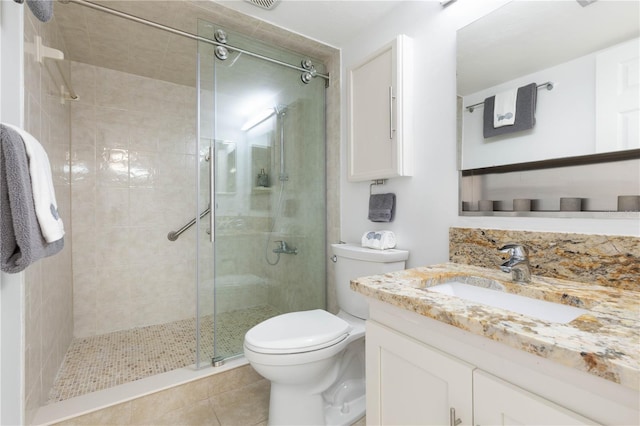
x=306, y=68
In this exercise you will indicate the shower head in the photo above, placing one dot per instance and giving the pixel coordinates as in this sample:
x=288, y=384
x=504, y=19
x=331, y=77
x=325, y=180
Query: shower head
x=280, y=109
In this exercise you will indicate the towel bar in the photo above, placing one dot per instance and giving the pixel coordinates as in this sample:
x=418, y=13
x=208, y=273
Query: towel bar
x=376, y=182
x=548, y=85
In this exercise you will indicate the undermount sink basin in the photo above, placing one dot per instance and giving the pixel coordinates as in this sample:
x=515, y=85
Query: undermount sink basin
x=495, y=297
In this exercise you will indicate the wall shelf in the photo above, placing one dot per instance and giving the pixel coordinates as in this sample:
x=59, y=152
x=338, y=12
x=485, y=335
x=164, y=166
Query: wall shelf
x=597, y=179
x=556, y=214
x=580, y=160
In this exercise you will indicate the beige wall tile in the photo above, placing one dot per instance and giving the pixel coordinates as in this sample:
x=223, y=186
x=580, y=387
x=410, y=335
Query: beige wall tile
x=48, y=282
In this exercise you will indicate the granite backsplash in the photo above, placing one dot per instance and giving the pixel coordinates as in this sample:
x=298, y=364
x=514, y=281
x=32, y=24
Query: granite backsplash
x=607, y=260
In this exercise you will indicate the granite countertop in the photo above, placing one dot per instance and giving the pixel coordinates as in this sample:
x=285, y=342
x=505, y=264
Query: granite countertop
x=604, y=342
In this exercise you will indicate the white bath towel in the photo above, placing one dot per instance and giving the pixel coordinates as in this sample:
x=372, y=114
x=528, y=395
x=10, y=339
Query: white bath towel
x=380, y=240
x=504, y=109
x=44, y=196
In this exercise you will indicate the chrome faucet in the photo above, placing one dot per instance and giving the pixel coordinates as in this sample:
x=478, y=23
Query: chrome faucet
x=518, y=262
x=284, y=248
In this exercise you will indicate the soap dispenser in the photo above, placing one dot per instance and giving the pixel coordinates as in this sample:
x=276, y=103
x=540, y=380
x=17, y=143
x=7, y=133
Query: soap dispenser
x=263, y=178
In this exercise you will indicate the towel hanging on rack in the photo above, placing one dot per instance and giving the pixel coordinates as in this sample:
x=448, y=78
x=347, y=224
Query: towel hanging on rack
x=44, y=195
x=504, y=108
x=525, y=117
x=382, y=207
x=41, y=9
x=21, y=241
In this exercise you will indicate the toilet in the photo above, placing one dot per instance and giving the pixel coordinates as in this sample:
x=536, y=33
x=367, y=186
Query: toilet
x=314, y=359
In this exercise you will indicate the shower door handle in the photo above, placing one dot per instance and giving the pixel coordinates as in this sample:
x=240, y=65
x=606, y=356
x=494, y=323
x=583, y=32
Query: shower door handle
x=212, y=192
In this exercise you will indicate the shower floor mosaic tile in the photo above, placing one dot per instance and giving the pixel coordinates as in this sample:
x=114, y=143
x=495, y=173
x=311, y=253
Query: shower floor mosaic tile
x=100, y=362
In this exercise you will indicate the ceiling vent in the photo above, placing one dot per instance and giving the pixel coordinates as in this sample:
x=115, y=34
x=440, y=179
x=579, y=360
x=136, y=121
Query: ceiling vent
x=265, y=4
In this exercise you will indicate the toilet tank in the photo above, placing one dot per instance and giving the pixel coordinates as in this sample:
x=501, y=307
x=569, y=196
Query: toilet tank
x=353, y=261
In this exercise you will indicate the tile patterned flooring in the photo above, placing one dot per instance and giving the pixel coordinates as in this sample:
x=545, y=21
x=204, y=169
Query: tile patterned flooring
x=100, y=362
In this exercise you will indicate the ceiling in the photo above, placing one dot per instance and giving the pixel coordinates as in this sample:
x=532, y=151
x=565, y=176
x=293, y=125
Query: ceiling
x=333, y=22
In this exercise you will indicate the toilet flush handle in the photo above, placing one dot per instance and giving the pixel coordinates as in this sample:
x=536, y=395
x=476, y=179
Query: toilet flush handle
x=334, y=258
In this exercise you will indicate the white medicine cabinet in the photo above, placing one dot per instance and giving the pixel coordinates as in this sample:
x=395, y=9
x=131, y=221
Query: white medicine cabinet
x=379, y=113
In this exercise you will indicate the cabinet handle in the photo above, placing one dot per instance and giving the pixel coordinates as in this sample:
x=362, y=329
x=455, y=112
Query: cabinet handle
x=391, y=98
x=452, y=418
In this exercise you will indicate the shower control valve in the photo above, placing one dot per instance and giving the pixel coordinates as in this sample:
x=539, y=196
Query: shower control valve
x=285, y=248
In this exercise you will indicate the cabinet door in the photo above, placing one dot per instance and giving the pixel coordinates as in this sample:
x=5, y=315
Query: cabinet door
x=378, y=118
x=497, y=402
x=409, y=383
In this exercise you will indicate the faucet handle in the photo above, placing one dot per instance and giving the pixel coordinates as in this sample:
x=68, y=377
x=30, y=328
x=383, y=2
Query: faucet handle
x=515, y=250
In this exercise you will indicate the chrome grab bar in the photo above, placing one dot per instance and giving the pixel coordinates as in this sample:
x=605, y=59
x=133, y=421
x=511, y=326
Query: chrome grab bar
x=173, y=235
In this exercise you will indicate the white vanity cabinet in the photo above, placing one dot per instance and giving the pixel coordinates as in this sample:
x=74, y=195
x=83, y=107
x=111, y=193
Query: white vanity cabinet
x=419, y=369
x=379, y=116
x=497, y=402
x=409, y=383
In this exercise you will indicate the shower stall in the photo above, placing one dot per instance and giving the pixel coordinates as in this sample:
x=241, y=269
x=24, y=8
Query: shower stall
x=198, y=194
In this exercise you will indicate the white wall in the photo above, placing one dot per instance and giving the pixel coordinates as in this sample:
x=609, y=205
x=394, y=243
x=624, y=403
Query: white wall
x=427, y=202
x=11, y=285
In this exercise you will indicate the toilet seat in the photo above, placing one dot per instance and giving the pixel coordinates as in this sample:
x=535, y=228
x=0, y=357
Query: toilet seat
x=297, y=332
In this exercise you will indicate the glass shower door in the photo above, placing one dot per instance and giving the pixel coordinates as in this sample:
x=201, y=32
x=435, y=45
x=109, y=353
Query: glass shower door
x=262, y=145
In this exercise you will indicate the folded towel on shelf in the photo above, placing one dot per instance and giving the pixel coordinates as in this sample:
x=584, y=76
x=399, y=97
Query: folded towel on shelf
x=380, y=240
x=382, y=207
x=504, y=108
x=21, y=241
x=44, y=195
x=524, y=117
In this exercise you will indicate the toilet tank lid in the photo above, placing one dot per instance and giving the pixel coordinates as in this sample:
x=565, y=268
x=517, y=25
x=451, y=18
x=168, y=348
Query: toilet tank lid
x=352, y=251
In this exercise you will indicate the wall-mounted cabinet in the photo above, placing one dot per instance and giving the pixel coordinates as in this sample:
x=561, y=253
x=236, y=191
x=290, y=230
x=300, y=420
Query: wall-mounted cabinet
x=379, y=113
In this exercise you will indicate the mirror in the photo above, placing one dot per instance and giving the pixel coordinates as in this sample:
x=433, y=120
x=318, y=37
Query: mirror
x=580, y=49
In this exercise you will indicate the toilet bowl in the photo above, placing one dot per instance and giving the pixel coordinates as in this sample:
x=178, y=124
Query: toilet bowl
x=314, y=359
x=300, y=354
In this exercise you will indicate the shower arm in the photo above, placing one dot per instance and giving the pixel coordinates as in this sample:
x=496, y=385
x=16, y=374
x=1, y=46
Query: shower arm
x=173, y=235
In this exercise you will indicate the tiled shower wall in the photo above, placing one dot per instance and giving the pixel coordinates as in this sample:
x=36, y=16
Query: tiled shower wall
x=133, y=181
x=48, y=285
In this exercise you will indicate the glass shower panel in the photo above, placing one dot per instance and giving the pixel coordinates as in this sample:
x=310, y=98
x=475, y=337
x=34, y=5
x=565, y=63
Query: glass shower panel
x=265, y=129
x=205, y=248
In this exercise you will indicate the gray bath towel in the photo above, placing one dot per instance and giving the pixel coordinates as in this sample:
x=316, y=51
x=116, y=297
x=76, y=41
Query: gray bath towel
x=21, y=241
x=42, y=9
x=382, y=207
x=525, y=112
